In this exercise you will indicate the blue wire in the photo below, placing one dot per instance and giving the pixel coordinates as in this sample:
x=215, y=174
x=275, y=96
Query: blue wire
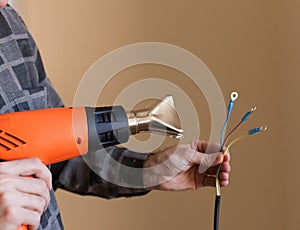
x=246, y=116
x=253, y=131
x=229, y=109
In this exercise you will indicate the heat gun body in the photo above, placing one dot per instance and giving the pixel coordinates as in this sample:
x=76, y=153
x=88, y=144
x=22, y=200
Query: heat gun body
x=58, y=134
x=55, y=135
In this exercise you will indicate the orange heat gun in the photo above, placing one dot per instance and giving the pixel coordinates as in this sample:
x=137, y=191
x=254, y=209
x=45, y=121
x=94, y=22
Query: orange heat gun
x=55, y=135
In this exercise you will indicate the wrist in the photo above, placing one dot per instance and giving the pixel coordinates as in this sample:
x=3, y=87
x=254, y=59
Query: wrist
x=151, y=176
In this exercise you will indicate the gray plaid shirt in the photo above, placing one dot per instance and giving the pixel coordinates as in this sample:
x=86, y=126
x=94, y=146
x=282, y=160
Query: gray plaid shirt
x=25, y=86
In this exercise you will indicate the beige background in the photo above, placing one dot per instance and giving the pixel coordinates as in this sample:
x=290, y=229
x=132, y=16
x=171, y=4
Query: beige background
x=250, y=46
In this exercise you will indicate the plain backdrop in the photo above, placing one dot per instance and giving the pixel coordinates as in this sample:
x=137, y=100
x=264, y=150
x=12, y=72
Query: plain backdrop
x=250, y=46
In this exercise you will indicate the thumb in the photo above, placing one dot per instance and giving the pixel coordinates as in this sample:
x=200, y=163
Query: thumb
x=209, y=160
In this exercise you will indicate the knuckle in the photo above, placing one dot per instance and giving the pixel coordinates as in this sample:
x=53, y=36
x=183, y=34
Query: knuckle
x=42, y=201
x=44, y=173
x=35, y=161
x=4, y=166
x=224, y=176
x=46, y=200
x=226, y=167
x=41, y=183
x=207, y=160
x=219, y=158
x=11, y=214
x=36, y=219
x=6, y=181
x=1, y=167
x=5, y=198
x=48, y=175
x=39, y=186
x=43, y=191
x=41, y=204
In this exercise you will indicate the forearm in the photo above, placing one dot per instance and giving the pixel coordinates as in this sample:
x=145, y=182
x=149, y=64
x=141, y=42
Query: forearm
x=109, y=173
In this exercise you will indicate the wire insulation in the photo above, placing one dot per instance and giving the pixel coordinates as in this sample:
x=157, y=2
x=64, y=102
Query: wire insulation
x=233, y=97
x=231, y=132
x=217, y=212
x=244, y=119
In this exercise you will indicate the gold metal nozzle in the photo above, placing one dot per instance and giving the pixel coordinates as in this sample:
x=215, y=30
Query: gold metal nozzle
x=155, y=116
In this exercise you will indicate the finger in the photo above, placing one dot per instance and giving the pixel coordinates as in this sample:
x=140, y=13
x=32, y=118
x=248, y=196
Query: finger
x=38, y=169
x=207, y=147
x=25, y=185
x=19, y=199
x=208, y=160
x=225, y=167
x=218, y=160
x=209, y=181
x=227, y=156
x=224, y=183
x=28, y=217
x=16, y=216
x=35, y=187
x=224, y=176
x=27, y=167
x=34, y=203
x=212, y=170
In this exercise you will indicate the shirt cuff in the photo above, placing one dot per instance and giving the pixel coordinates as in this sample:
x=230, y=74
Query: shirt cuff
x=131, y=172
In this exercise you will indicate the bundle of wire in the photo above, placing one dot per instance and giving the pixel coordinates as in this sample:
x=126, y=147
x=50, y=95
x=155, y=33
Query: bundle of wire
x=223, y=142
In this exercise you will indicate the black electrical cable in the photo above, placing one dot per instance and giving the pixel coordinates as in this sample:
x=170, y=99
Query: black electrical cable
x=217, y=212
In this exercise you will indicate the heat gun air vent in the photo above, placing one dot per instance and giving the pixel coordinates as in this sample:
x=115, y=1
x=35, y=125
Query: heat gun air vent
x=9, y=141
